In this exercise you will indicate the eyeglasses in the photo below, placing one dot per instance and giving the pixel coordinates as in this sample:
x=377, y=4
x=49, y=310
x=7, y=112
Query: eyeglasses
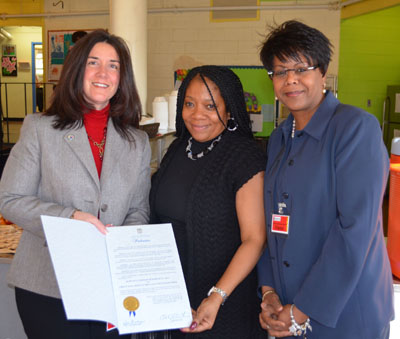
x=299, y=71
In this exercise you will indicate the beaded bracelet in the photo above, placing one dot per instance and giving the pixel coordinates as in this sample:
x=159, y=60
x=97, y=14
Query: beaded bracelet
x=296, y=329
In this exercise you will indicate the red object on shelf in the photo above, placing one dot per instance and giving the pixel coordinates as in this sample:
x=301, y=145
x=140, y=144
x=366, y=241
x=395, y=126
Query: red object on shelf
x=394, y=159
x=393, y=242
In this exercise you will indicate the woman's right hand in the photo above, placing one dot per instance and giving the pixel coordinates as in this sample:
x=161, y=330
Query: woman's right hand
x=205, y=315
x=90, y=218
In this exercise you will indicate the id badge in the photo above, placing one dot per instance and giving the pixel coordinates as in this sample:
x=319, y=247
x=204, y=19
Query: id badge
x=280, y=224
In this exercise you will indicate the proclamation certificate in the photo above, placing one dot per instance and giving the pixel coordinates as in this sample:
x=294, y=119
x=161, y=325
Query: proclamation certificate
x=149, y=287
x=131, y=277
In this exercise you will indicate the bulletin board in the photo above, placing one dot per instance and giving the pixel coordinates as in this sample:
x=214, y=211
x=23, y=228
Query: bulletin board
x=59, y=43
x=255, y=80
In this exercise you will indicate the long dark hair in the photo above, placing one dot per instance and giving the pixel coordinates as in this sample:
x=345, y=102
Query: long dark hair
x=293, y=39
x=68, y=103
x=231, y=91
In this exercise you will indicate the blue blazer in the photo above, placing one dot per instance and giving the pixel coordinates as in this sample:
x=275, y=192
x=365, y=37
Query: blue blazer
x=333, y=265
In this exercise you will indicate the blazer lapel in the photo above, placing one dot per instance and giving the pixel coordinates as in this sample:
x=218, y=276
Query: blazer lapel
x=114, y=150
x=78, y=141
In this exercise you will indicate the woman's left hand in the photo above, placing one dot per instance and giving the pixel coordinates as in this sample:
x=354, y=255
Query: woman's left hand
x=204, y=317
x=284, y=316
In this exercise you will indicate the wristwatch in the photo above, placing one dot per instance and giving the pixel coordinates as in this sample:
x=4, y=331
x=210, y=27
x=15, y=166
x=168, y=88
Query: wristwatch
x=220, y=292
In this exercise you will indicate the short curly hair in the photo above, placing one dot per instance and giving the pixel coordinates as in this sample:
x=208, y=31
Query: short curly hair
x=293, y=39
x=231, y=91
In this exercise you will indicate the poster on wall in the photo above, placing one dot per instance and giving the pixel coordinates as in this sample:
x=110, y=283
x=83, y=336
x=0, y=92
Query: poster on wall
x=59, y=43
x=9, y=50
x=9, y=66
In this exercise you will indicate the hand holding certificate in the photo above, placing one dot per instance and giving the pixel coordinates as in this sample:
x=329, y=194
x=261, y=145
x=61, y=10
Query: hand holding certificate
x=131, y=277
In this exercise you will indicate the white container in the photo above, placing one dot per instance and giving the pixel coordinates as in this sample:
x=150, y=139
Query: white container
x=172, y=109
x=160, y=111
x=395, y=149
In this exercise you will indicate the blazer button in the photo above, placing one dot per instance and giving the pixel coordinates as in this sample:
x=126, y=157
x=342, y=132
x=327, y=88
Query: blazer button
x=285, y=195
x=286, y=263
x=104, y=207
x=291, y=162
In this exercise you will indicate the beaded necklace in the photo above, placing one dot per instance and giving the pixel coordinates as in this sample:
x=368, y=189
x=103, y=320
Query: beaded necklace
x=201, y=154
x=293, y=128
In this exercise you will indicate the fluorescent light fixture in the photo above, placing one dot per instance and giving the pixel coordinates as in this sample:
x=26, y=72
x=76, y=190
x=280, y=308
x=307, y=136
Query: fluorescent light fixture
x=5, y=33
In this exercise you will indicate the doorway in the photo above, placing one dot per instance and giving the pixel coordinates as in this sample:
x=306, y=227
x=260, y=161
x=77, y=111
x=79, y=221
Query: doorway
x=37, y=77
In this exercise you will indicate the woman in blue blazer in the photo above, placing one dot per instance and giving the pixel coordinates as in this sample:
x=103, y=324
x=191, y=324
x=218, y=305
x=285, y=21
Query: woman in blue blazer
x=84, y=159
x=326, y=266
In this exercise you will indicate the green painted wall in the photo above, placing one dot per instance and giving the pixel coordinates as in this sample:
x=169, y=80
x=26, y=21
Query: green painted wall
x=369, y=58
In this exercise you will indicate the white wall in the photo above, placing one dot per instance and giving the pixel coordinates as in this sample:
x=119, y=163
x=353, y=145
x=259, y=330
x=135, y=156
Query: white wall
x=184, y=40
x=188, y=39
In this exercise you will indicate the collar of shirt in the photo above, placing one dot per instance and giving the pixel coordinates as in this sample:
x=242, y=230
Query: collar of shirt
x=319, y=122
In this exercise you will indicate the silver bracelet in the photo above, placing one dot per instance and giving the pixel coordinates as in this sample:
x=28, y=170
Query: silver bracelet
x=296, y=329
x=222, y=293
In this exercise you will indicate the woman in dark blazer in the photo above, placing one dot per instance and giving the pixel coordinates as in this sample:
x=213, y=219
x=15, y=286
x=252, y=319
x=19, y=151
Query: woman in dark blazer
x=326, y=259
x=84, y=159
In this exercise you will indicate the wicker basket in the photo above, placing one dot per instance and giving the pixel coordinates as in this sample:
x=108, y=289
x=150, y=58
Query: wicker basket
x=9, y=238
x=150, y=129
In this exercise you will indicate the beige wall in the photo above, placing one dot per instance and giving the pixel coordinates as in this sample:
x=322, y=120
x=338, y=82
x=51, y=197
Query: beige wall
x=182, y=40
x=76, y=21
x=187, y=39
x=19, y=97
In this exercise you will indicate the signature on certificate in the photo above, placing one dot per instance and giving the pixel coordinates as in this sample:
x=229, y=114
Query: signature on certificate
x=177, y=316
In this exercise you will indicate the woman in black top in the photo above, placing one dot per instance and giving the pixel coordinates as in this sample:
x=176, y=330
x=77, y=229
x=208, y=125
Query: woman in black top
x=210, y=187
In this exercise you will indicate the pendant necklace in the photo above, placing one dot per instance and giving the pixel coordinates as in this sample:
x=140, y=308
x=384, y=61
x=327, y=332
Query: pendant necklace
x=201, y=154
x=100, y=145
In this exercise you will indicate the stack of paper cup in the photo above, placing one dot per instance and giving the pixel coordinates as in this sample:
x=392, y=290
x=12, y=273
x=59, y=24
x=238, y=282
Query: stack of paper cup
x=172, y=109
x=160, y=111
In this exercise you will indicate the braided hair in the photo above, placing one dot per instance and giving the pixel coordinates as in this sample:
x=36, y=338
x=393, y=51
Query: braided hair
x=231, y=91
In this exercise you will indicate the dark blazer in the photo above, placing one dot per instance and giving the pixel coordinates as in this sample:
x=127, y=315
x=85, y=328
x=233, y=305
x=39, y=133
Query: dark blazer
x=333, y=265
x=52, y=172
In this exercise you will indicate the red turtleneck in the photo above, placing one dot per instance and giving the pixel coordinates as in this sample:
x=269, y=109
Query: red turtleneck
x=95, y=123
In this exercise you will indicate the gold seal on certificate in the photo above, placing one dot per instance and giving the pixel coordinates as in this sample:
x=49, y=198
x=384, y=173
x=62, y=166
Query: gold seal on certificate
x=131, y=304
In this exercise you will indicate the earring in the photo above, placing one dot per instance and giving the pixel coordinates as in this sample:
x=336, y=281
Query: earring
x=231, y=125
x=324, y=89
